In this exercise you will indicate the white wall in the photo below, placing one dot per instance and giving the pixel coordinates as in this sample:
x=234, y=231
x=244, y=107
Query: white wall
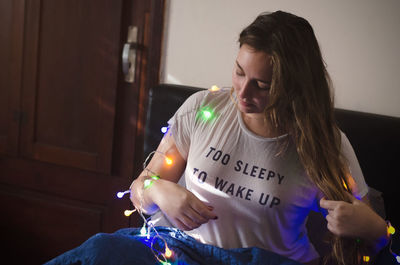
x=359, y=39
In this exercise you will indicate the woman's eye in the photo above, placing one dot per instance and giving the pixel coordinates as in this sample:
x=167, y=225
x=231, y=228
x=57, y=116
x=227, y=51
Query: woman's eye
x=239, y=73
x=263, y=86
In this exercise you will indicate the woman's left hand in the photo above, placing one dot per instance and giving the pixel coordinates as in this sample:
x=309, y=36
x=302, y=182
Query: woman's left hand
x=354, y=219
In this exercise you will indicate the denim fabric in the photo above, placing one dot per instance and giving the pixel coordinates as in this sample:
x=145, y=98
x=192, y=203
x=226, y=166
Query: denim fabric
x=127, y=246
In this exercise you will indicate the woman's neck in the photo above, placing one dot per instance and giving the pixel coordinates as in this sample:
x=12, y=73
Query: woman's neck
x=258, y=124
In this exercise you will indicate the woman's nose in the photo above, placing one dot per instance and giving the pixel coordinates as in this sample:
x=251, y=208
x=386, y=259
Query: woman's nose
x=245, y=89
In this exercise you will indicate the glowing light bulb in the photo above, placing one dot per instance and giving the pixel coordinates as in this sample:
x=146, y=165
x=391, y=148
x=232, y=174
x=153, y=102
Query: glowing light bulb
x=164, y=129
x=168, y=160
x=207, y=114
x=366, y=258
x=128, y=212
x=391, y=230
x=344, y=184
x=214, y=88
x=122, y=193
x=147, y=183
x=143, y=230
x=168, y=252
x=398, y=259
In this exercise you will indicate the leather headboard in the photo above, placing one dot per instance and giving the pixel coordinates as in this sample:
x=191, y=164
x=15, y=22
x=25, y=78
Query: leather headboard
x=164, y=101
x=375, y=139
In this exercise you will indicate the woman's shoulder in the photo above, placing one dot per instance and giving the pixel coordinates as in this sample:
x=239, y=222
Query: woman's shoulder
x=205, y=98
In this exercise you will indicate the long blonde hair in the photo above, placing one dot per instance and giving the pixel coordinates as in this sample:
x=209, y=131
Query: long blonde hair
x=301, y=104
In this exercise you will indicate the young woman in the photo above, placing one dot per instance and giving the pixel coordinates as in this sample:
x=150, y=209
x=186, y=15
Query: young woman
x=267, y=153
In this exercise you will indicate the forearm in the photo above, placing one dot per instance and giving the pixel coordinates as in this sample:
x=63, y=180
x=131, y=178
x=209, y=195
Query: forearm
x=167, y=164
x=377, y=236
x=140, y=197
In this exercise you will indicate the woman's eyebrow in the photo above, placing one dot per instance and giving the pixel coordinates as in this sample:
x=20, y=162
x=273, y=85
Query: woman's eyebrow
x=238, y=65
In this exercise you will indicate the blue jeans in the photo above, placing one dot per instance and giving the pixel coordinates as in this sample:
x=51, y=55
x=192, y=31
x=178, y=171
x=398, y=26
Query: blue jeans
x=127, y=246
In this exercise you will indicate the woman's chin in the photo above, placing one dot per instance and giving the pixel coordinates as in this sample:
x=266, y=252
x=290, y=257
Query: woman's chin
x=248, y=108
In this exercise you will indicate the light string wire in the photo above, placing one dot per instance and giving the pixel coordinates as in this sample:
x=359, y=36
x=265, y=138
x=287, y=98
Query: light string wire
x=161, y=256
x=391, y=230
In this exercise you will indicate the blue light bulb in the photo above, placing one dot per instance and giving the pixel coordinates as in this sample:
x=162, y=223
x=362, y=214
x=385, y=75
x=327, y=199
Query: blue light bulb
x=164, y=129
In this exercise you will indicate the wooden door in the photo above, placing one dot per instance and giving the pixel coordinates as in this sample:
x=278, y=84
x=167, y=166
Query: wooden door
x=11, y=41
x=70, y=126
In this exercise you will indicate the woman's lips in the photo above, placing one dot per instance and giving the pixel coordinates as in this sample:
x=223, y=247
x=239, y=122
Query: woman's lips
x=245, y=104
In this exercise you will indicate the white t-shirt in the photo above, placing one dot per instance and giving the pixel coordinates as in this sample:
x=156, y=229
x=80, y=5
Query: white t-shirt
x=261, y=200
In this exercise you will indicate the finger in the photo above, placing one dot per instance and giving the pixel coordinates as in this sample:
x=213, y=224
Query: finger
x=330, y=219
x=205, y=211
x=196, y=217
x=351, y=197
x=177, y=223
x=328, y=204
x=331, y=223
x=332, y=228
x=336, y=230
x=188, y=222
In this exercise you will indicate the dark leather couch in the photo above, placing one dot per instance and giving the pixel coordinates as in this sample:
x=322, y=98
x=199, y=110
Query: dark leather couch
x=375, y=139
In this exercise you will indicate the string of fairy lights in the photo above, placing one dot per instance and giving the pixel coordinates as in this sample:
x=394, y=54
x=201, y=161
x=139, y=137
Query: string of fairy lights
x=163, y=254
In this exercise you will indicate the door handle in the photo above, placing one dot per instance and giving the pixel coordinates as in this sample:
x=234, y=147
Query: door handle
x=129, y=55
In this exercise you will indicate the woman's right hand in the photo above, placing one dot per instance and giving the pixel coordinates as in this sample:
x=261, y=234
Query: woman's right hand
x=183, y=209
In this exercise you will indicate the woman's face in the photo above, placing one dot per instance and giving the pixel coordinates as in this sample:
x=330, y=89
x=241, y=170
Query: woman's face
x=251, y=79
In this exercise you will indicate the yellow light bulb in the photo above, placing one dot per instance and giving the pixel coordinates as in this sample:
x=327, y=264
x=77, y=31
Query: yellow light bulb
x=366, y=258
x=391, y=230
x=168, y=160
x=214, y=88
x=168, y=252
x=129, y=212
x=344, y=184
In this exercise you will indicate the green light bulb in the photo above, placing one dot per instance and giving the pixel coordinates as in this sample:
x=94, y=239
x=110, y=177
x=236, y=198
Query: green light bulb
x=207, y=114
